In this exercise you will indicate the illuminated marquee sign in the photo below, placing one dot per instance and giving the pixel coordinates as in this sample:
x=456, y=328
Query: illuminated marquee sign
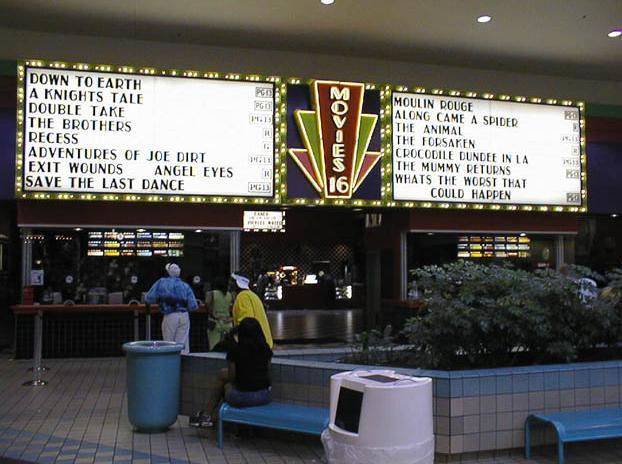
x=336, y=136
x=117, y=133
x=120, y=133
x=453, y=149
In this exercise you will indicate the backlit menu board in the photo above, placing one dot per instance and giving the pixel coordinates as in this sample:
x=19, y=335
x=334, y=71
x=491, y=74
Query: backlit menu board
x=497, y=246
x=124, y=133
x=469, y=150
x=140, y=243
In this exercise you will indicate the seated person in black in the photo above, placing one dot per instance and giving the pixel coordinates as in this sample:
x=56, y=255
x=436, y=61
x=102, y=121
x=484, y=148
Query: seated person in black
x=246, y=382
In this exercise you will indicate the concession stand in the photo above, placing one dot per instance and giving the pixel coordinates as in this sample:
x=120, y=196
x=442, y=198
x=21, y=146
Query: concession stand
x=88, y=268
x=325, y=193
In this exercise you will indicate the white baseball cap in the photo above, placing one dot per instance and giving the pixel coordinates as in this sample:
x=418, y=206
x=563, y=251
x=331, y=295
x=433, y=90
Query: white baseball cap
x=241, y=281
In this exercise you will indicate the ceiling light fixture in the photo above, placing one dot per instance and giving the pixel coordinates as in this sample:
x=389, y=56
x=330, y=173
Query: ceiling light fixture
x=484, y=19
x=615, y=33
x=327, y=2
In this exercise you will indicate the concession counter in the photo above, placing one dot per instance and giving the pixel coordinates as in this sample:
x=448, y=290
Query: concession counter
x=78, y=330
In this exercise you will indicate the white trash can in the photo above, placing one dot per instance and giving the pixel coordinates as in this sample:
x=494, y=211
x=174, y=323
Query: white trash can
x=378, y=417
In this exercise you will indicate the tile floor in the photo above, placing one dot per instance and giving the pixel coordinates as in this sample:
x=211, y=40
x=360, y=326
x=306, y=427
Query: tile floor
x=81, y=417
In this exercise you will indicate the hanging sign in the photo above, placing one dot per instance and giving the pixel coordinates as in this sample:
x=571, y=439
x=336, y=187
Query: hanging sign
x=466, y=150
x=264, y=221
x=336, y=135
x=88, y=132
x=145, y=134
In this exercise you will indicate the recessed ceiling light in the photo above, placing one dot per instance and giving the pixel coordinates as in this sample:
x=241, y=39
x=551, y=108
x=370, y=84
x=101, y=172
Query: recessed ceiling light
x=484, y=19
x=615, y=33
x=523, y=234
x=614, y=215
x=327, y=2
x=77, y=229
x=198, y=231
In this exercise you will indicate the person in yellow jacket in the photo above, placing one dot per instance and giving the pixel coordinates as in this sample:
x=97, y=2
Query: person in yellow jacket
x=248, y=304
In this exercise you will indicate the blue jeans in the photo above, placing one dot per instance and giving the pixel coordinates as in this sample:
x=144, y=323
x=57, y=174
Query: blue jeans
x=242, y=399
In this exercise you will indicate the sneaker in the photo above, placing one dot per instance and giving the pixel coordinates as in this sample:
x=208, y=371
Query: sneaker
x=200, y=420
x=193, y=420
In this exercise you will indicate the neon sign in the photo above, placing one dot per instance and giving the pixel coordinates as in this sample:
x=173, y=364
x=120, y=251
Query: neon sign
x=336, y=137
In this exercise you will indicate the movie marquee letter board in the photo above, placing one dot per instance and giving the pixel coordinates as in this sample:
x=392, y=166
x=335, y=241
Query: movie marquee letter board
x=148, y=135
x=98, y=132
x=485, y=151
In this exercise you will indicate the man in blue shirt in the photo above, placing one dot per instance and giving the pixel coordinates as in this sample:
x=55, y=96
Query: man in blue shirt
x=175, y=299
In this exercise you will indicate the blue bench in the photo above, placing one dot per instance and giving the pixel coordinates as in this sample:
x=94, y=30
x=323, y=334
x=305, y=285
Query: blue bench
x=294, y=417
x=576, y=426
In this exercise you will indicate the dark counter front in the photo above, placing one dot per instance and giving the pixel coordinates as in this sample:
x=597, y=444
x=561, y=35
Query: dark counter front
x=94, y=330
x=315, y=297
x=100, y=330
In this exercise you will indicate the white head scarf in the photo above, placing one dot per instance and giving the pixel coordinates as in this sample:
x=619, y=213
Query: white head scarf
x=241, y=281
x=173, y=269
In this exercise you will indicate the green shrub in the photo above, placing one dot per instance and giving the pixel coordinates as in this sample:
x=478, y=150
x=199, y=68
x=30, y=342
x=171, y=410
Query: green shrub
x=480, y=315
x=374, y=348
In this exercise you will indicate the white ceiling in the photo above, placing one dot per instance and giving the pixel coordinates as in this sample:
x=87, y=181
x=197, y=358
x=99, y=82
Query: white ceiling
x=555, y=37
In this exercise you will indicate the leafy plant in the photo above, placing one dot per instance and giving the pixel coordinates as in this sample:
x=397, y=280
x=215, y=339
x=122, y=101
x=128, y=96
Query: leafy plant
x=373, y=347
x=491, y=315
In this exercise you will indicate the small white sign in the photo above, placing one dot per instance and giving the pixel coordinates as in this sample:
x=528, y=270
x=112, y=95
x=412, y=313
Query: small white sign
x=264, y=221
x=36, y=277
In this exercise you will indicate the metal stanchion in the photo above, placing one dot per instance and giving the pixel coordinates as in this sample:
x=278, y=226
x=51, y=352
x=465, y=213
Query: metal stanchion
x=42, y=369
x=148, y=324
x=38, y=318
x=136, y=333
x=36, y=354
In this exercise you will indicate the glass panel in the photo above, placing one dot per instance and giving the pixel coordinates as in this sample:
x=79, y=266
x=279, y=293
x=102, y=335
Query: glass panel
x=116, y=266
x=525, y=251
x=599, y=242
x=348, y=412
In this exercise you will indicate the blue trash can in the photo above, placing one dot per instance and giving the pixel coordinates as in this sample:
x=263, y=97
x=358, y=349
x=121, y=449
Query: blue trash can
x=153, y=378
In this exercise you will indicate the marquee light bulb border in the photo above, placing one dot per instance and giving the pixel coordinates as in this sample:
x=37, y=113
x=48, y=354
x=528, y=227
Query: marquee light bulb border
x=279, y=136
x=280, y=143
x=312, y=202
x=386, y=111
x=314, y=160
